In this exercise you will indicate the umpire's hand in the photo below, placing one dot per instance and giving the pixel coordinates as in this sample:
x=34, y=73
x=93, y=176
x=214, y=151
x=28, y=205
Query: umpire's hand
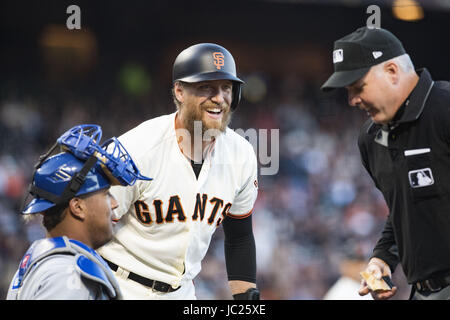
x=378, y=268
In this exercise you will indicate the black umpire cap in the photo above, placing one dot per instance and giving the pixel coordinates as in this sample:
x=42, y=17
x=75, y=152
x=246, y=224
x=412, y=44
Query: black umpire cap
x=356, y=53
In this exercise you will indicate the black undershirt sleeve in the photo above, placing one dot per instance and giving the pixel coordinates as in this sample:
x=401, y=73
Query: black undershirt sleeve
x=240, y=249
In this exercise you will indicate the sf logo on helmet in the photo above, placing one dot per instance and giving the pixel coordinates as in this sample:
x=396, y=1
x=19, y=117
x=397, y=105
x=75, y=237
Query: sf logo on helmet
x=219, y=61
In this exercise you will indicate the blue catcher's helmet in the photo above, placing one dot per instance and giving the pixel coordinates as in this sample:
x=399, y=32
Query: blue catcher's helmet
x=54, y=175
x=82, y=168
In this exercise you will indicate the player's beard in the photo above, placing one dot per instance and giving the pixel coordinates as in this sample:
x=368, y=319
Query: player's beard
x=194, y=114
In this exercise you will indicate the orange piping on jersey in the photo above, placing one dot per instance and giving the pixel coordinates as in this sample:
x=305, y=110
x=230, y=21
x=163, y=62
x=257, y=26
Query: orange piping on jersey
x=235, y=216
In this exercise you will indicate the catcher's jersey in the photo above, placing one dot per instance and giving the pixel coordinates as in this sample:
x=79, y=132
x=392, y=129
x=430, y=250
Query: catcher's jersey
x=166, y=224
x=63, y=269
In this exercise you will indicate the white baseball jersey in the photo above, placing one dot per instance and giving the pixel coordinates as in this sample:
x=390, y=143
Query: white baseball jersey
x=166, y=224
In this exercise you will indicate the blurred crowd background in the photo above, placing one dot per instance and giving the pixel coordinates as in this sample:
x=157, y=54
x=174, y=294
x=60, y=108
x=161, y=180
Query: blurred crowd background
x=316, y=220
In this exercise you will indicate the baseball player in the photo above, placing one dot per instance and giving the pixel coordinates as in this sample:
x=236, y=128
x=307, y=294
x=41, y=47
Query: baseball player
x=204, y=175
x=71, y=191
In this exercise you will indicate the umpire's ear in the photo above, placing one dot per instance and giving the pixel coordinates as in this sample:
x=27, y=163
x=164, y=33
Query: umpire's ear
x=391, y=69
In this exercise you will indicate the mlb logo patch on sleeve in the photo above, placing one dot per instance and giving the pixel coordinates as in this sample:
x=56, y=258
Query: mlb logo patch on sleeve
x=421, y=178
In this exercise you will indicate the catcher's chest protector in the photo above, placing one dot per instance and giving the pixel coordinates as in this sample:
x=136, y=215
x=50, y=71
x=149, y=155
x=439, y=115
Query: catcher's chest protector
x=86, y=261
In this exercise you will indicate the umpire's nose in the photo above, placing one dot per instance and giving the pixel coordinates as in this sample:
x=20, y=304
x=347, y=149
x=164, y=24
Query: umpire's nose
x=354, y=100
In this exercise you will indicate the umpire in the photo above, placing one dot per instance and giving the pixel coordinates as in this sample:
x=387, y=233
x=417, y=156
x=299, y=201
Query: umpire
x=405, y=147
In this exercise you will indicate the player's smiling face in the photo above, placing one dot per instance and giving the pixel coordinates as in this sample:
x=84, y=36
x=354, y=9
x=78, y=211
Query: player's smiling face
x=206, y=101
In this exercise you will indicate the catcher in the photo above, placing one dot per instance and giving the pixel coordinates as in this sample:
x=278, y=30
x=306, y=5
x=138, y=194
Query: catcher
x=71, y=191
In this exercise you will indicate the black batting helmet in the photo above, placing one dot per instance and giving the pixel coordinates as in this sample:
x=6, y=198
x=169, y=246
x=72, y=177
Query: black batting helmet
x=207, y=61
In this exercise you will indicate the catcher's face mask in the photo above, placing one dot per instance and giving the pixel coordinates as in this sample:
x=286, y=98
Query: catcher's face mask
x=83, y=167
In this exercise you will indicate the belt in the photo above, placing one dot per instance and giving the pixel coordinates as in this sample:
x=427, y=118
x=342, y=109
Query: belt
x=434, y=284
x=155, y=285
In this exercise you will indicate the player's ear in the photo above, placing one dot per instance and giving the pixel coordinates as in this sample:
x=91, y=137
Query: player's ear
x=78, y=208
x=178, y=90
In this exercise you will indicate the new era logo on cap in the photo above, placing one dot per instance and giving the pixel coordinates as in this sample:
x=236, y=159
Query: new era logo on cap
x=338, y=55
x=377, y=54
